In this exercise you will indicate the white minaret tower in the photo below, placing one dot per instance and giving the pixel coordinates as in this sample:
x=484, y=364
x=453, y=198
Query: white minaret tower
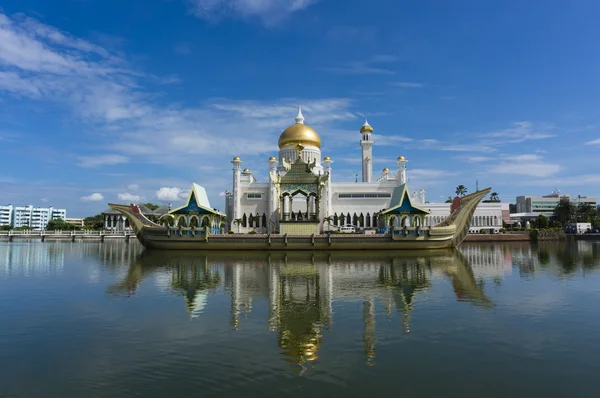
x=366, y=144
x=402, y=170
x=273, y=200
x=328, y=191
x=237, y=195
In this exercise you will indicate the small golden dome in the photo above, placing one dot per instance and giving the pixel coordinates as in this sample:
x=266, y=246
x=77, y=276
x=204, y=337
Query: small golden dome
x=236, y=159
x=326, y=159
x=386, y=170
x=401, y=158
x=246, y=171
x=272, y=159
x=366, y=128
x=299, y=133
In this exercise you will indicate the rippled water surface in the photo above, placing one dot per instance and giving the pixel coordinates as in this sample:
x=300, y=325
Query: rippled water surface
x=113, y=320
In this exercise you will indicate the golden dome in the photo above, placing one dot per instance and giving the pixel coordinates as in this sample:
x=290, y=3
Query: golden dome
x=236, y=159
x=299, y=133
x=326, y=159
x=400, y=158
x=246, y=171
x=366, y=128
x=386, y=170
x=272, y=159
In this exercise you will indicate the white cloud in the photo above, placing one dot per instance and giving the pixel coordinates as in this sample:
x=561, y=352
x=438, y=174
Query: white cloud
x=407, y=84
x=527, y=164
x=133, y=187
x=574, y=180
x=112, y=97
x=129, y=197
x=171, y=194
x=44, y=200
x=95, y=197
x=594, y=142
x=372, y=66
x=101, y=160
x=520, y=132
x=477, y=159
x=269, y=11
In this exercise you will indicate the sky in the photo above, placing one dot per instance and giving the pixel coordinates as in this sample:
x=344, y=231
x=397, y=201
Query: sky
x=105, y=101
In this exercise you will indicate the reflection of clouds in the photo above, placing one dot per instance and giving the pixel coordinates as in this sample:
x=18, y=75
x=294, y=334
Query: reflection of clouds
x=32, y=259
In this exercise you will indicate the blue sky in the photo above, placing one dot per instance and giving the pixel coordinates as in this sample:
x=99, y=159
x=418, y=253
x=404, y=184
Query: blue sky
x=113, y=101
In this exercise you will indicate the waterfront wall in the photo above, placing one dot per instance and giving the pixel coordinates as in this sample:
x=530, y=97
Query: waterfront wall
x=514, y=237
x=547, y=234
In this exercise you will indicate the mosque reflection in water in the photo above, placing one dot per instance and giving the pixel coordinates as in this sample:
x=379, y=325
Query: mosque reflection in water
x=302, y=287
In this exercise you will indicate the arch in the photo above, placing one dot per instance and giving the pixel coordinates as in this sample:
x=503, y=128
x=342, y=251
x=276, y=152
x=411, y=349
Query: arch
x=348, y=219
x=392, y=221
x=335, y=219
x=181, y=221
x=244, y=220
x=355, y=220
x=368, y=220
x=194, y=222
x=264, y=220
x=205, y=222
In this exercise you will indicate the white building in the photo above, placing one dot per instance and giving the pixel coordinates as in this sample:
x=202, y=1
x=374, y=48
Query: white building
x=545, y=204
x=34, y=217
x=301, y=188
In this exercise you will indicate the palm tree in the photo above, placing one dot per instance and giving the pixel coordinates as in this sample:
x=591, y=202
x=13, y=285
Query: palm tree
x=328, y=220
x=449, y=200
x=494, y=197
x=461, y=190
x=565, y=211
x=585, y=212
x=238, y=221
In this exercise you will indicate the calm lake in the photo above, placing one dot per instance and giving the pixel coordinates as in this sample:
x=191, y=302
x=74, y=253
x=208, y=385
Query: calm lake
x=113, y=320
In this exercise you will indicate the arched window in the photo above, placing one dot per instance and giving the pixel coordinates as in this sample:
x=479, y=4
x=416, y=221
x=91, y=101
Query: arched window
x=181, y=222
x=335, y=219
x=205, y=222
x=194, y=222
x=348, y=219
x=264, y=220
x=355, y=220
x=368, y=220
x=244, y=220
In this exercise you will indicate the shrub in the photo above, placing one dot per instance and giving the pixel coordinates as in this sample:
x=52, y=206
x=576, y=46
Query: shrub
x=502, y=230
x=336, y=232
x=230, y=232
x=276, y=231
x=253, y=232
x=482, y=231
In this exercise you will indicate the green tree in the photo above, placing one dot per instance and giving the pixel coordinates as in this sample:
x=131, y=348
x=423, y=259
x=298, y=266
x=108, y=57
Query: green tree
x=543, y=221
x=151, y=206
x=585, y=212
x=328, y=220
x=449, y=200
x=58, y=224
x=238, y=222
x=5, y=227
x=94, y=222
x=565, y=212
x=494, y=197
x=461, y=190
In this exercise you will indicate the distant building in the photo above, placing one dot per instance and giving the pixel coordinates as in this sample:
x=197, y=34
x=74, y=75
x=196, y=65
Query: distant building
x=114, y=220
x=34, y=217
x=545, y=205
x=78, y=222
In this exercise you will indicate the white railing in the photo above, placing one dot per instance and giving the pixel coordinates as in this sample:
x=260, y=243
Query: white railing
x=67, y=233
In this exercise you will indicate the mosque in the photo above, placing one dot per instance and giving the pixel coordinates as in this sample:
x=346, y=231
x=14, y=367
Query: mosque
x=301, y=196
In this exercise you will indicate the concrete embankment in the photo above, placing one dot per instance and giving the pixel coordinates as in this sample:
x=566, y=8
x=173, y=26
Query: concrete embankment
x=538, y=235
x=522, y=237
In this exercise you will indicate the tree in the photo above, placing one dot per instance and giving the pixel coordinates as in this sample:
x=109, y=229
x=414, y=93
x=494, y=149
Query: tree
x=328, y=220
x=461, y=190
x=151, y=206
x=449, y=200
x=58, y=224
x=5, y=227
x=564, y=211
x=94, y=222
x=238, y=221
x=585, y=212
x=494, y=197
x=543, y=221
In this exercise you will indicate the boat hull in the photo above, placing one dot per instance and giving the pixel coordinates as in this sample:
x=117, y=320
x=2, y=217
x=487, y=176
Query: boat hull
x=163, y=239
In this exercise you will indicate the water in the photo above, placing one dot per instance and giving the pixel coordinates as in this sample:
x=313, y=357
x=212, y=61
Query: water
x=110, y=320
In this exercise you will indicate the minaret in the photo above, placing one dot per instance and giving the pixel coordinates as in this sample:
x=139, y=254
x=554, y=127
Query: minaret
x=273, y=200
x=299, y=117
x=366, y=144
x=402, y=170
x=237, y=195
x=328, y=191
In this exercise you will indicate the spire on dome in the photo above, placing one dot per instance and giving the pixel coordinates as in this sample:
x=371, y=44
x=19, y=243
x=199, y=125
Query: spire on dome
x=366, y=128
x=299, y=117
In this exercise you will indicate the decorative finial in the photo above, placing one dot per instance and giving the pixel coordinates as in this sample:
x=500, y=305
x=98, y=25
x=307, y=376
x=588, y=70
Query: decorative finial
x=299, y=117
x=366, y=128
x=299, y=149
